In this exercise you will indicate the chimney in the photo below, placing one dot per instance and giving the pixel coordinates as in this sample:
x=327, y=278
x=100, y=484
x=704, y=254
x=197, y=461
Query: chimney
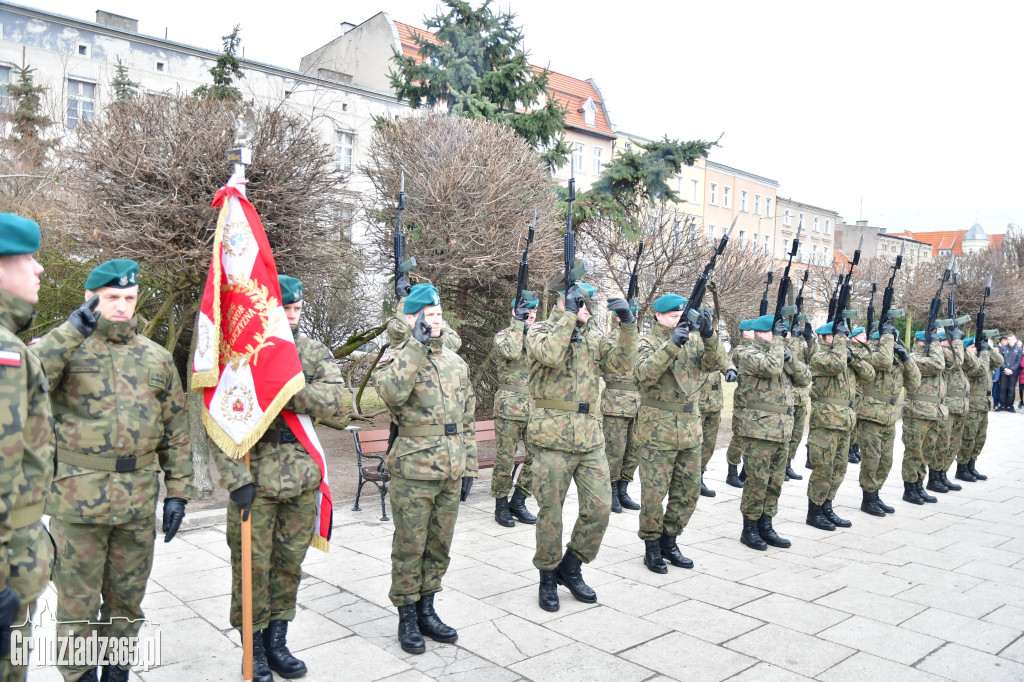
x=117, y=21
x=346, y=27
x=862, y=223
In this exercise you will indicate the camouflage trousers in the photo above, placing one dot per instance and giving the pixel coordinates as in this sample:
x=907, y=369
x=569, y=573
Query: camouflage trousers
x=921, y=438
x=282, y=529
x=630, y=460
x=618, y=442
x=876, y=443
x=675, y=473
x=425, y=513
x=101, y=571
x=709, y=423
x=31, y=563
x=765, y=464
x=553, y=470
x=975, y=435
x=829, y=453
x=507, y=434
x=953, y=441
x=734, y=453
x=799, y=423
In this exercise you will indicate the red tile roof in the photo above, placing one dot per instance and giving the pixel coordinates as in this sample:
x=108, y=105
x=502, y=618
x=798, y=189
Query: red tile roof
x=996, y=240
x=571, y=93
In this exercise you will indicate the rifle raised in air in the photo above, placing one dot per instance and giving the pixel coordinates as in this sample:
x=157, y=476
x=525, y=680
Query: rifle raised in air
x=401, y=266
x=781, y=309
x=933, y=309
x=954, y=322
x=524, y=267
x=871, y=306
x=763, y=310
x=634, y=276
x=887, y=312
x=798, y=305
x=691, y=313
x=981, y=315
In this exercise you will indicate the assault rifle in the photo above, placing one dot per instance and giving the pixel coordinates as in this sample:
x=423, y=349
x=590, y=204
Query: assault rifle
x=954, y=322
x=798, y=305
x=781, y=309
x=691, y=313
x=844, y=290
x=834, y=298
x=764, y=297
x=887, y=296
x=524, y=267
x=981, y=315
x=871, y=306
x=401, y=267
x=933, y=310
x=634, y=276
x=570, y=241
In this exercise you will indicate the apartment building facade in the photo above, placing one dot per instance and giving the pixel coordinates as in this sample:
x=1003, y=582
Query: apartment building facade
x=733, y=194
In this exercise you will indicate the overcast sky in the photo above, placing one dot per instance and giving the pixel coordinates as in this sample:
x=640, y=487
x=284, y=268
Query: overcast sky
x=903, y=113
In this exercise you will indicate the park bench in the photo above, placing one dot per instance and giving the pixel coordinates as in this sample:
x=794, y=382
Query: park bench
x=371, y=446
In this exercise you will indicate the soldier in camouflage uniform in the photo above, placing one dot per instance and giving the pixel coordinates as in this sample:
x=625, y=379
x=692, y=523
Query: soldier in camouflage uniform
x=26, y=442
x=670, y=367
x=426, y=387
x=958, y=390
x=512, y=406
x=924, y=410
x=802, y=346
x=278, y=489
x=711, y=402
x=619, y=403
x=733, y=454
x=567, y=357
x=835, y=369
x=877, y=414
x=119, y=419
x=976, y=424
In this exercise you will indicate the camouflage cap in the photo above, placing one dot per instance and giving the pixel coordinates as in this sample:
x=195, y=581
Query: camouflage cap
x=18, y=235
x=291, y=289
x=669, y=303
x=119, y=273
x=824, y=329
x=420, y=296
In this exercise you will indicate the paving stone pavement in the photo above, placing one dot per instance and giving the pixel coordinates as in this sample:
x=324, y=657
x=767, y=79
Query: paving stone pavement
x=933, y=592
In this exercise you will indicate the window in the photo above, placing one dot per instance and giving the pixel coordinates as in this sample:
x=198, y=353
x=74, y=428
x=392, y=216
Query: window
x=347, y=218
x=828, y=227
x=81, y=101
x=743, y=201
x=785, y=248
x=768, y=207
x=597, y=161
x=800, y=220
x=590, y=112
x=727, y=197
x=786, y=218
x=743, y=237
x=161, y=66
x=83, y=50
x=766, y=245
x=815, y=223
x=713, y=198
x=757, y=204
x=695, y=191
x=344, y=148
x=5, y=78
x=577, y=155
x=711, y=232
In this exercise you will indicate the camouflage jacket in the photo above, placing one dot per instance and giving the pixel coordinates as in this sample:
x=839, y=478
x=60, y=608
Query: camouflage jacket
x=669, y=379
x=114, y=394
x=570, y=373
x=980, y=378
x=426, y=388
x=958, y=389
x=880, y=400
x=834, y=391
x=26, y=425
x=512, y=399
x=801, y=350
x=282, y=470
x=712, y=397
x=737, y=395
x=766, y=382
x=620, y=397
x=927, y=401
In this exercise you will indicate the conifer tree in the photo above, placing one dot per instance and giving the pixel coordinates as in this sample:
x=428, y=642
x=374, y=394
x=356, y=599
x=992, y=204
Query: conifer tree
x=124, y=87
x=28, y=122
x=225, y=71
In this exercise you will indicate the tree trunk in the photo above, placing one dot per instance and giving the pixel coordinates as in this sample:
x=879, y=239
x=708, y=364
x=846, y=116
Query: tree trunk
x=197, y=433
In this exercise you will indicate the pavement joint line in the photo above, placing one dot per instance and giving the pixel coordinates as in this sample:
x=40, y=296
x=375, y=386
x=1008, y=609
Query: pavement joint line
x=999, y=653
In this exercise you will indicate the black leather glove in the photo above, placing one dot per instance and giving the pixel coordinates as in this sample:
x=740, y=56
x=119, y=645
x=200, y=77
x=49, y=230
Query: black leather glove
x=901, y=352
x=707, y=324
x=985, y=345
x=421, y=329
x=786, y=355
x=779, y=328
x=934, y=337
x=174, y=512
x=730, y=375
x=9, y=607
x=467, y=485
x=681, y=334
x=798, y=329
x=84, y=318
x=808, y=332
x=840, y=327
x=522, y=310
x=402, y=287
x=889, y=329
x=849, y=355
x=243, y=497
x=620, y=307
x=955, y=334
x=574, y=300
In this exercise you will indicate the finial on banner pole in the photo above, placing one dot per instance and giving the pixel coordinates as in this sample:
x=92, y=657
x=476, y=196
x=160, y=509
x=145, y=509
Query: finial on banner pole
x=240, y=154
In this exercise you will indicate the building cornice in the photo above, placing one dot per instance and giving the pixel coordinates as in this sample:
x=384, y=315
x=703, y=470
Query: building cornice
x=712, y=165
x=800, y=204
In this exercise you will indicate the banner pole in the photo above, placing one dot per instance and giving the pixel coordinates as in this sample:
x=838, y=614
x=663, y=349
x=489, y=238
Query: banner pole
x=247, y=590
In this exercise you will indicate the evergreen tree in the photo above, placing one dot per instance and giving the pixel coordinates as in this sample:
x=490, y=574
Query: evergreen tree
x=124, y=87
x=28, y=122
x=477, y=68
x=225, y=71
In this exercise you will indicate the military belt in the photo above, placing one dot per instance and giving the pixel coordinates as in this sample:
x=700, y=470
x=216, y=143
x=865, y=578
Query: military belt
x=620, y=385
x=26, y=516
x=564, y=405
x=121, y=465
x=877, y=395
x=769, y=407
x=514, y=389
x=279, y=436
x=839, y=402
x=432, y=430
x=925, y=399
x=671, y=407
x=710, y=387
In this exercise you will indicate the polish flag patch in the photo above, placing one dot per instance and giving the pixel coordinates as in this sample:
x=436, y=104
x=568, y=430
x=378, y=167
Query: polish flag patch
x=10, y=358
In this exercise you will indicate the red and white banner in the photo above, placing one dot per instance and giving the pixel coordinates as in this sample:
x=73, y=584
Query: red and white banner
x=245, y=362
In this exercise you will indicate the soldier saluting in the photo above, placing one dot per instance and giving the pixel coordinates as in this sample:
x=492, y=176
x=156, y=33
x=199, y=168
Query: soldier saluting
x=119, y=419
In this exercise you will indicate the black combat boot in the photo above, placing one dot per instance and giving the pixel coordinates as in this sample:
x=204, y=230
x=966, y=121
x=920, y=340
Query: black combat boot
x=955, y=487
x=652, y=557
x=408, y=631
x=670, y=551
x=430, y=625
x=111, y=673
x=807, y=464
x=868, y=505
x=882, y=505
x=517, y=505
x=935, y=483
x=816, y=518
x=792, y=474
x=910, y=493
x=974, y=472
x=831, y=515
x=616, y=507
x=925, y=497
x=853, y=456
x=260, y=668
x=750, y=537
x=570, y=574
x=548, y=591
x=279, y=657
x=732, y=478
x=502, y=514
x=743, y=474
x=768, y=534
x=964, y=473
x=704, y=490
x=88, y=676
x=624, y=499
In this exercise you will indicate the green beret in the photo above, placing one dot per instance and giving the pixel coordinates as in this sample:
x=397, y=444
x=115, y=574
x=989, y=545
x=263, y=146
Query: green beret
x=968, y=341
x=420, y=296
x=919, y=336
x=291, y=289
x=824, y=329
x=119, y=273
x=529, y=304
x=669, y=303
x=18, y=235
x=857, y=330
x=746, y=325
x=763, y=323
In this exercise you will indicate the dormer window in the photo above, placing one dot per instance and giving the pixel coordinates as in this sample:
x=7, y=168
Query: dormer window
x=589, y=111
